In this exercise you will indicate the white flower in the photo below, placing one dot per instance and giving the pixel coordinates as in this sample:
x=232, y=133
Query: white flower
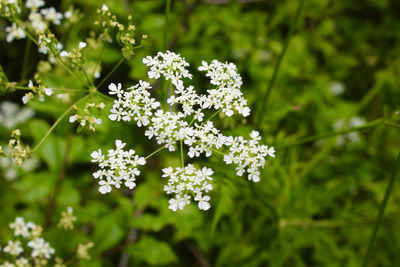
x=104, y=7
x=64, y=54
x=52, y=15
x=40, y=248
x=13, y=248
x=48, y=91
x=14, y=32
x=22, y=228
x=203, y=202
x=82, y=44
x=34, y=3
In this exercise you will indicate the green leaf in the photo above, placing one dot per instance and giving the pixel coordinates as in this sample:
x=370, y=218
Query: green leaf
x=107, y=233
x=152, y=251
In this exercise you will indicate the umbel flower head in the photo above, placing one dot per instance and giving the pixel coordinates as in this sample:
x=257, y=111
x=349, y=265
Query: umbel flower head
x=181, y=120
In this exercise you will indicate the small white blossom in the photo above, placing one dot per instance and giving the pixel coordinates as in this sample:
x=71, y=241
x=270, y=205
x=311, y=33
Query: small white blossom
x=14, y=32
x=13, y=248
x=40, y=248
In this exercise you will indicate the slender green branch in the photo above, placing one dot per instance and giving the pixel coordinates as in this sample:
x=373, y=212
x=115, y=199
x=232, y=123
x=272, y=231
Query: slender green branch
x=382, y=209
x=167, y=11
x=25, y=61
x=111, y=72
x=275, y=73
x=55, y=89
x=105, y=96
x=213, y=115
x=217, y=151
x=393, y=124
x=182, y=161
x=155, y=152
x=98, y=60
x=336, y=133
x=58, y=121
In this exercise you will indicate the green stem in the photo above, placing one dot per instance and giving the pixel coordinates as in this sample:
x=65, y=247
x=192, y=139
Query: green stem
x=275, y=73
x=393, y=124
x=217, y=151
x=182, y=161
x=58, y=121
x=167, y=10
x=213, y=115
x=26, y=59
x=331, y=134
x=382, y=210
x=111, y=72
x=55, y=89
x=98, y=60
x=105, y=96
x=155, y=152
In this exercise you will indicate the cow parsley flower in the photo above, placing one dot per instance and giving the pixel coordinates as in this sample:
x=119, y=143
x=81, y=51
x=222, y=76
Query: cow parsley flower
x=118, y=167
x=183, y=123
x=40, y=248
x=187, y=181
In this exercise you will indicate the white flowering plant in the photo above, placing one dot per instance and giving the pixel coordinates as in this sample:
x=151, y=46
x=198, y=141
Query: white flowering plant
x=143, y=133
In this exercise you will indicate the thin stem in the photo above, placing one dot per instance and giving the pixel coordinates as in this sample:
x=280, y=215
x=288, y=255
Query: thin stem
x=167, y=10
x=55, y=89
x=105, y=96
x=58, y=121
x=26, y=59
x=98, y=60
x=335, y=133
x=111, y=72
x=217, y=151
x=275, y=73
x=213, y=115
x=393, y=124
x=182, y=161
x=382, y=209
x=155, y=152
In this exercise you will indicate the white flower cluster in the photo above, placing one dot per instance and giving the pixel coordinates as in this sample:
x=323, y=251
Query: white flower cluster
x=38, y=20
x=170, y=65
x=249, y=155
x=227, y=96
x=27, y=230
x=188, y=180
x=187, y=125
x=12, y=115
x=118, y=167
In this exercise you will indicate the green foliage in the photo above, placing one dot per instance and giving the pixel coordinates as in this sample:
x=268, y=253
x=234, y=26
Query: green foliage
x=317, y=201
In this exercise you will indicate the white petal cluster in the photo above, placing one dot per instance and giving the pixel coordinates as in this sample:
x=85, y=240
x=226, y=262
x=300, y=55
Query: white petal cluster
x=185, y=182
x=249, y=155
x=14, y=32
x=12, y=115
x=187, y=125
x=227, y=96
x=21, y=228
x=28, y=236
x=170, y=65
x=118, y=167
x=40, y=248
x=13, y=248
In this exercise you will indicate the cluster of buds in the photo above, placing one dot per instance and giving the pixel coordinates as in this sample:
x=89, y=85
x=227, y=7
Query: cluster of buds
x=75, y=57
x=39, y=89
x=125, y=34
x=67, y=219
x=88, y=118
x=19, y=152
x=9, y=8
x=82, y=251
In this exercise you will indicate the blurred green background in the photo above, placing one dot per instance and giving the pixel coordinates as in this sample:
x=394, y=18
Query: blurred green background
x=317, y=201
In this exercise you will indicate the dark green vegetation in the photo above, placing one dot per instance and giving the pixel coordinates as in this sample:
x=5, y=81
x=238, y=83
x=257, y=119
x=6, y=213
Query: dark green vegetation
x=318, y=202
